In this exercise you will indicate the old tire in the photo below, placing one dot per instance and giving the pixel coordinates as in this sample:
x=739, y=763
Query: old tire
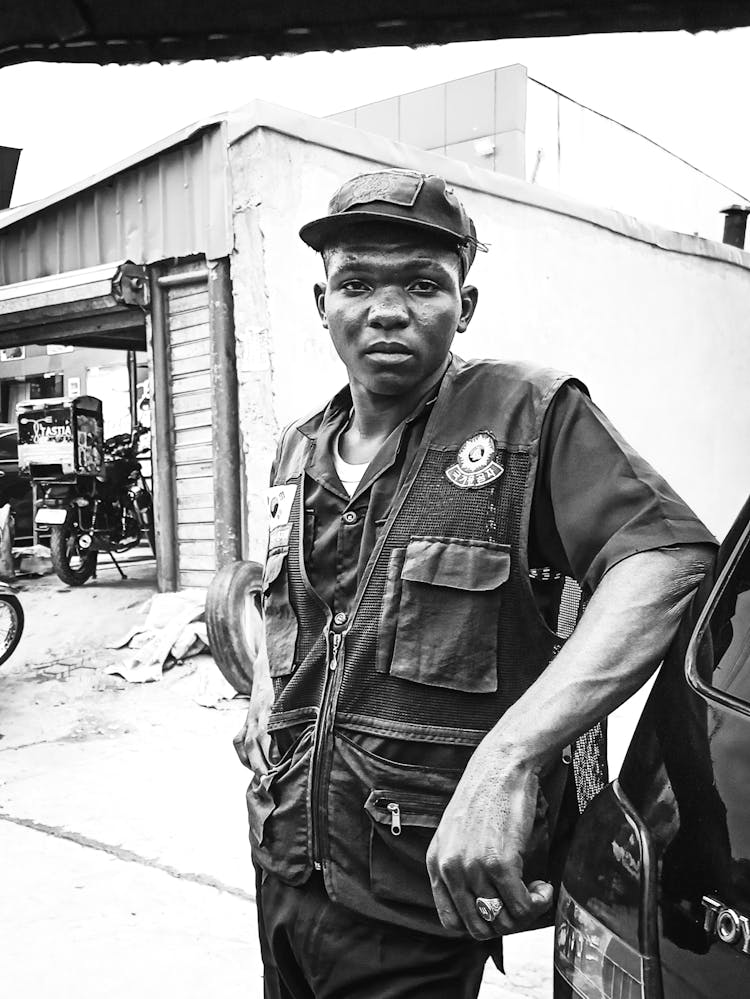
x=63, y=548
x=227, y=606
x=10, y=608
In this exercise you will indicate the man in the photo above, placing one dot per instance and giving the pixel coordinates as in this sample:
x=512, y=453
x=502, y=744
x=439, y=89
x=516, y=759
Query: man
x=414, y=799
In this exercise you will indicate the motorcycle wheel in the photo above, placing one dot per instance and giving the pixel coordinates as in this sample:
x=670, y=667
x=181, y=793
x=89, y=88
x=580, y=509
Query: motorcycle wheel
x=11, y=625
x=72, y=565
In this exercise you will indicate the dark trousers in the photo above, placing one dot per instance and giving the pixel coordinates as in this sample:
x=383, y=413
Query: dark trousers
x=315, y=949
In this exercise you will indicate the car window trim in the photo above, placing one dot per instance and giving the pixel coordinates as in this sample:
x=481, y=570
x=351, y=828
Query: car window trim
x=699, y=685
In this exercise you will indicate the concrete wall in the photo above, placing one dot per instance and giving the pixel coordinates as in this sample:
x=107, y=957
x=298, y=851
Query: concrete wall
x=571, y=149
x=657, y=324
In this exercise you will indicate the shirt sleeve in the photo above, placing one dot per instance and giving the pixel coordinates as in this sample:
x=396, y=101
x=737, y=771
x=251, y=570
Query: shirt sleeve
x=596, y=500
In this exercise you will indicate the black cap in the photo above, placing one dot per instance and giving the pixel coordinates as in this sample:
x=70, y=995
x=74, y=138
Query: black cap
x=404, y=196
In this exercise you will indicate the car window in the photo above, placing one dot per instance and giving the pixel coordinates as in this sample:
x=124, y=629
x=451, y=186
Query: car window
x=730, y=633
x=8, y=446
x=718, y=660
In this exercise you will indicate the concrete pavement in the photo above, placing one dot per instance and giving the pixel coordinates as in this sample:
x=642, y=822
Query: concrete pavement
x=125, y=864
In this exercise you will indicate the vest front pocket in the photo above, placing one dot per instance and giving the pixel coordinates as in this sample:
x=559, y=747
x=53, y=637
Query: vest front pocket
x=380, y=817
x=445, y=595
x=402, y=826
x=278, y=614
x=277, y=812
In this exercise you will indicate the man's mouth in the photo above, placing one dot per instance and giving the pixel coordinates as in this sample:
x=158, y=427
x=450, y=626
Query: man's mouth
x=389, y=348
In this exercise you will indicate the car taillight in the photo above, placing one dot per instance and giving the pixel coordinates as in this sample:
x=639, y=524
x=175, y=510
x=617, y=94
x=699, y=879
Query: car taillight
x=593, y=960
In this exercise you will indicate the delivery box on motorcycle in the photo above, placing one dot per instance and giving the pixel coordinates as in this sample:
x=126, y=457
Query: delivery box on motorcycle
x=60, y=437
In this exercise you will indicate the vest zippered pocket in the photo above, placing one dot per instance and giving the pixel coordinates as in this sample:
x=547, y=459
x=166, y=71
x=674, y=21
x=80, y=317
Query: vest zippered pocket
x=398, y=808
x=403, y=823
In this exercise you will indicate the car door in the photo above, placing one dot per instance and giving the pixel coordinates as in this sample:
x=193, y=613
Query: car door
x=655, y=901
x=705, y=875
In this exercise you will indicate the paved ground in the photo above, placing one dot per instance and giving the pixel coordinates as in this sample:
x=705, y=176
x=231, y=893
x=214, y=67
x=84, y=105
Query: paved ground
x=126, y=869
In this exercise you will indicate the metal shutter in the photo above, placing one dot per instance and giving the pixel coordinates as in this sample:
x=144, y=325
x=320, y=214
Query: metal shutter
x=190, y=375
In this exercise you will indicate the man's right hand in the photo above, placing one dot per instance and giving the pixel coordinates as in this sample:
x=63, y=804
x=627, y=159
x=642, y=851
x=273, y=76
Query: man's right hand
x=252, y=742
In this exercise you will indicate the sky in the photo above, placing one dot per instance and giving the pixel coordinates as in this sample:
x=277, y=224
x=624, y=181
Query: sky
x=690, y=93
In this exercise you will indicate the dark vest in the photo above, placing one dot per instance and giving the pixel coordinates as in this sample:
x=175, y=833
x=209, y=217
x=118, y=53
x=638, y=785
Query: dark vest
x=444, y=634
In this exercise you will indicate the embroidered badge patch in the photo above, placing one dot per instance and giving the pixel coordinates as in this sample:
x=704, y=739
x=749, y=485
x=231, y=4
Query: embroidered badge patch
x=280, y=500
x=475, y=463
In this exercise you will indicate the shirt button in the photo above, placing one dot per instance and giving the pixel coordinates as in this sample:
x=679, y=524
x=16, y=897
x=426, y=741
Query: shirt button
x=350, y=517
x=340, y=619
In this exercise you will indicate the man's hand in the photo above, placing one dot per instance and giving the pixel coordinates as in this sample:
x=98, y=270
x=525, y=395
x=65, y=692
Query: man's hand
x=479, y=846
x=252, y=741
x=485, y=832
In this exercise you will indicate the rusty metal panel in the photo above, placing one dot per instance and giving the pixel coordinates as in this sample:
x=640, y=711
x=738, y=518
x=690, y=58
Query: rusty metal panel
x=174, y=203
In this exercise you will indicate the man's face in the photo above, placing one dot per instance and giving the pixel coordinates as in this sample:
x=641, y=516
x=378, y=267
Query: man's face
x=392, y=303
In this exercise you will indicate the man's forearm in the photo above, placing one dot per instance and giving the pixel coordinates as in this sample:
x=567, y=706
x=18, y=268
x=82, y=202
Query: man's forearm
x=481, y=842
x=618, y=643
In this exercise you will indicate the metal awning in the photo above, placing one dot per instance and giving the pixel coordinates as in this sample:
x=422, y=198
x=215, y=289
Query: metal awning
x=109, y=31
x=100, y=306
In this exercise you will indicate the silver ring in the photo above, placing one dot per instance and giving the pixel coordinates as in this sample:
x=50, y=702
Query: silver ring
x=489, y=908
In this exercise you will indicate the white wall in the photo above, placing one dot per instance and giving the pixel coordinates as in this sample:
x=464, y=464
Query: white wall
x=657, y=325
x=571, y=149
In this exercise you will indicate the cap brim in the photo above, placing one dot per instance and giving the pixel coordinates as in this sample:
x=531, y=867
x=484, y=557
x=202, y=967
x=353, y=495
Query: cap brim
x=321, y=231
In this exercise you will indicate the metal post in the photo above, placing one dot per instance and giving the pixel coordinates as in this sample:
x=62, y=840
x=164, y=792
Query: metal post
x=735, y=224
x=225, y=415
x=163, y=473
x=133, y=389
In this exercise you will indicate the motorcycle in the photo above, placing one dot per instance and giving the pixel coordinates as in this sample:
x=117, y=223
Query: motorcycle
x=11, y=622
x=109, y=512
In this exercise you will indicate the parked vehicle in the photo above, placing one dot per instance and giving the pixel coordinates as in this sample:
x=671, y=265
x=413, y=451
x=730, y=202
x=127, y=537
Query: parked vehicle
x=11, y=622
x=655, y=901
x=14, y=487
x=94, y=497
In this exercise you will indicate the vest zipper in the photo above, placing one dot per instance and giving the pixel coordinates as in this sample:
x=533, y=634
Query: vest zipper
x=334, y=640
x=395, y=809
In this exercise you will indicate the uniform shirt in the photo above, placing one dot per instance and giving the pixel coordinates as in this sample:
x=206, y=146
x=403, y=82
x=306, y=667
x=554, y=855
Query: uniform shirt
x=596, y=502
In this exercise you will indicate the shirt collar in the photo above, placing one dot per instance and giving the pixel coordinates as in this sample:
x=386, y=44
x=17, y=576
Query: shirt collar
x=325, y=425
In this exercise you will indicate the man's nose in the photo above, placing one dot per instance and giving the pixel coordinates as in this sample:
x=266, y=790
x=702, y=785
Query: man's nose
x=388, y=310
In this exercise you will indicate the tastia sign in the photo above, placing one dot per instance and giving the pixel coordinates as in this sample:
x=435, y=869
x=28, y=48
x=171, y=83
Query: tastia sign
x=48, y=430
x=54, y=433
x=726, y=923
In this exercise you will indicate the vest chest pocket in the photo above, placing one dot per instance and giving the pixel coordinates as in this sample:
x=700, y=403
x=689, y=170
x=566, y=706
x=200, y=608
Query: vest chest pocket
x=279, y=617
x=439, y=617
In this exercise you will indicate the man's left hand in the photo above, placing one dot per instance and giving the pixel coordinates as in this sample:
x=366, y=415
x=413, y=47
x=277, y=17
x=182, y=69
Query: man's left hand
x=479, y=846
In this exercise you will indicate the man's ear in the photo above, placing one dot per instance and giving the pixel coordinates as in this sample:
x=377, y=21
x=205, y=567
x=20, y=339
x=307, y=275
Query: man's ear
x=469, y=298
x=320, y=301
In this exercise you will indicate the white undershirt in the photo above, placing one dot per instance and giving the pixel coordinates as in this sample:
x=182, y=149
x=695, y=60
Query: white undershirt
x=350, y=475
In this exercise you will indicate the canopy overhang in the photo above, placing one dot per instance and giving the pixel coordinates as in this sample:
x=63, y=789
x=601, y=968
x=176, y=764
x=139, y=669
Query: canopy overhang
x=108, y=31
x=100, y=306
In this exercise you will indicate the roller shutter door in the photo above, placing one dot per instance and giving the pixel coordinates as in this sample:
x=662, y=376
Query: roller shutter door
x=190, y=370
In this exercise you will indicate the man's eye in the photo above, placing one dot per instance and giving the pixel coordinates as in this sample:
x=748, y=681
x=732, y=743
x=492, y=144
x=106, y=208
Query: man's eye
x=423, y=286
x=354, y=285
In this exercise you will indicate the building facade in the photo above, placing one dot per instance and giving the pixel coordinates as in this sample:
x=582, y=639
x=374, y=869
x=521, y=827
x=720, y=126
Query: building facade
x=189, y=251
x=504, y=120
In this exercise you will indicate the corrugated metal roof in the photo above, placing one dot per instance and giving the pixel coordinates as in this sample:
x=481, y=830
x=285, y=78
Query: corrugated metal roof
x=175, y=199
x=171, y=199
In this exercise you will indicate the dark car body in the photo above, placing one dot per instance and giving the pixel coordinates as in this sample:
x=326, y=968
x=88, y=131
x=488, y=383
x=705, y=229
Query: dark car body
x=655, y=901
x=14, y=487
